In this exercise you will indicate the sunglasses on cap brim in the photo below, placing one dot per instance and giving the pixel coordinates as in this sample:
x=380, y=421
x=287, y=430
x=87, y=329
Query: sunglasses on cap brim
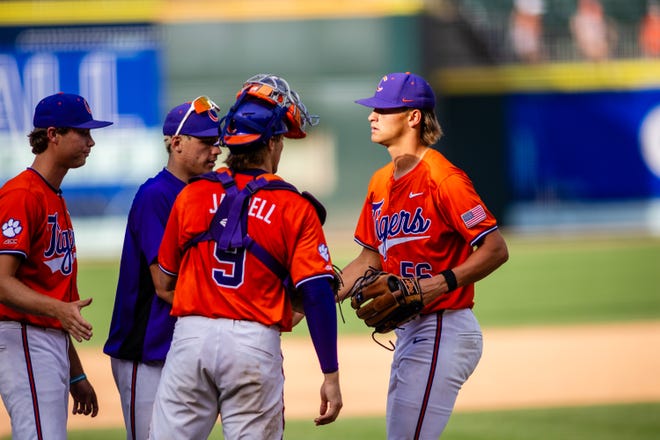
x=199, y=105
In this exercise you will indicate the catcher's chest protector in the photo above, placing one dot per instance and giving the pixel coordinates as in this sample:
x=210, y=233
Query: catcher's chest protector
x=228, y=227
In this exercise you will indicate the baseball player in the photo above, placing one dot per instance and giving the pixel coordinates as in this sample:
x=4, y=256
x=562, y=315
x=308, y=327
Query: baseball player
x=39, y=302
x=422, y=218
x=229, y=288
x=141, y=327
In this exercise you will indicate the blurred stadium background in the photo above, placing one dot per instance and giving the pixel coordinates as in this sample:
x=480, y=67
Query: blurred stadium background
x=557, y=144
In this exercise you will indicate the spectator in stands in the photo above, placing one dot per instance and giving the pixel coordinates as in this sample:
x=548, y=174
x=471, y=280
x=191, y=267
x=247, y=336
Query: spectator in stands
x=526, y=30
x=649, y=31
x=593, y=32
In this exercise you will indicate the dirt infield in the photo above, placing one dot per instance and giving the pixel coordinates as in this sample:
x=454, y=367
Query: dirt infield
x=520, y=368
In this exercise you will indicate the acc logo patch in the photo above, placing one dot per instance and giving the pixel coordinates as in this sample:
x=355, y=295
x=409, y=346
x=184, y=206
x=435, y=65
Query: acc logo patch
x=11, y=228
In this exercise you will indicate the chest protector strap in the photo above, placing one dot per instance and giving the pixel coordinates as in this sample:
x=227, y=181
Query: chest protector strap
x=228, y=227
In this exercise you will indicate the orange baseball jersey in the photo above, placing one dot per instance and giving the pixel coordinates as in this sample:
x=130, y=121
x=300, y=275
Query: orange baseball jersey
x=36, y=227
x=237, y=285
x=425, y=222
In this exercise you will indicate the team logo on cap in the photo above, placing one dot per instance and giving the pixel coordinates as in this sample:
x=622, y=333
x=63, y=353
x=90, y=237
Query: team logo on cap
x=380, y=86
x=89, y=110
x=212, y=116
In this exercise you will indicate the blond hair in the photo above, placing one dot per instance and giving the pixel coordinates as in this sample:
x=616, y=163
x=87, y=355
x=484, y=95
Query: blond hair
x=430, y=130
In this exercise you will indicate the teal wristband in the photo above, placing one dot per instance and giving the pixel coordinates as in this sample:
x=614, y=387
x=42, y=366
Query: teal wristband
x=77, y=379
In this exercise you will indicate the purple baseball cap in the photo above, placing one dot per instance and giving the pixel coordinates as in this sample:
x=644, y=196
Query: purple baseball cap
x=199, y=125
x=396, y=90
x=63, y=110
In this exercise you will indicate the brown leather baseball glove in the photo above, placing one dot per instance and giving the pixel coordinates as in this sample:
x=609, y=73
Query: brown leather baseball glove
x=386, y=301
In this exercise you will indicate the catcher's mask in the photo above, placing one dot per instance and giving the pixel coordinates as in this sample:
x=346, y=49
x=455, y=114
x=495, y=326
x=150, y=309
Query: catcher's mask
x=276, y=90
x=251, y=122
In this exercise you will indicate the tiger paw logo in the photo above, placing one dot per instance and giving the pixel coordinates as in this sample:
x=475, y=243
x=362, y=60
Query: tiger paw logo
x=324, y=252
x=11, y=228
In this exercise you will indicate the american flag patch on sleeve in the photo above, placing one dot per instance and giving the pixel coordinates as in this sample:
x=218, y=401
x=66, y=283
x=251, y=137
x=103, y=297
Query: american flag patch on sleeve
x=474, y=216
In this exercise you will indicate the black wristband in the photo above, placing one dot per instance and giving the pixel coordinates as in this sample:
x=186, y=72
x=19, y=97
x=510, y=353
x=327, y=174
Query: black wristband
x=450, y=278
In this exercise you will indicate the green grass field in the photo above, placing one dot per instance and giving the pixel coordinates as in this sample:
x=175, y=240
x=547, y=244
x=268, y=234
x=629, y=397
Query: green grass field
x=547, y=281
x=629, y=422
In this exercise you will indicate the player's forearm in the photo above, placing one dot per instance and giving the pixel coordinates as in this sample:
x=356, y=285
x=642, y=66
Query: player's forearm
x=332, y=378
x=297, y=317
x=166, y=295
x=319, y=306
x=17, y=295
x=490, y=255
x=164, y=284
x=356, y=268
x=75, y=365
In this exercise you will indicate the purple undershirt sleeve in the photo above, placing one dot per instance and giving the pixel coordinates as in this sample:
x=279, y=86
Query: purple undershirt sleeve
x=319, y=306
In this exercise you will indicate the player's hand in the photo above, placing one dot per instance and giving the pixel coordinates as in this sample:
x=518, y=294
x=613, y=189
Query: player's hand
x=84, y=398
x=331, y=401
x=73, y=322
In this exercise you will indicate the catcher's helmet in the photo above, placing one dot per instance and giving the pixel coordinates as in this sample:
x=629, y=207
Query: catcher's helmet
x=276, y=90
x=252, y=121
